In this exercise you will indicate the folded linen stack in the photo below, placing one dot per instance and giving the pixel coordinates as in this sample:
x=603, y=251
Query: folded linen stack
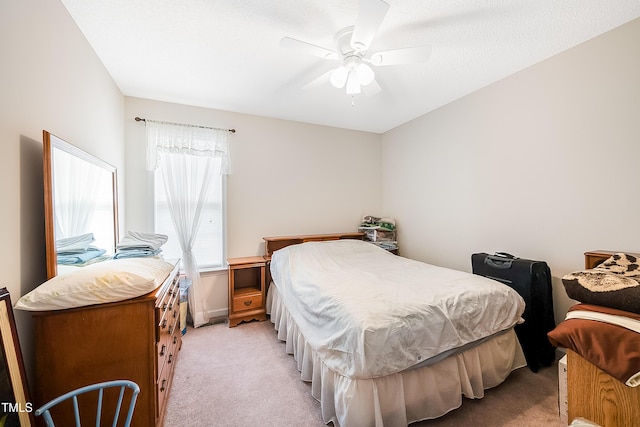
x=140, y=244
x=380, y=231
x=370, y=221
x=75, y=243
x=78, y=250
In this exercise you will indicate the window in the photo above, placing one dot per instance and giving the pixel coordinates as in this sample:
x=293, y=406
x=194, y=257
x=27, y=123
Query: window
x=209, y=244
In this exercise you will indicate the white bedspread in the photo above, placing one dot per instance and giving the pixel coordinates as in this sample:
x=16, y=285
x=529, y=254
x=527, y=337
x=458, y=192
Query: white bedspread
x=368, y=313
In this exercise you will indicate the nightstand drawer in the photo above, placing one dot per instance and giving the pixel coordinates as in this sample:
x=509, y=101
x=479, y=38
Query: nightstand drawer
x=249, y=301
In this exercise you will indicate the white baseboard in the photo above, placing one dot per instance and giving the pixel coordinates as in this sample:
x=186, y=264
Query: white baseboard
x=221, y=312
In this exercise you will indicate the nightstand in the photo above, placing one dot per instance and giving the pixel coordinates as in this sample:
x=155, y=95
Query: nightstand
x=246, y=289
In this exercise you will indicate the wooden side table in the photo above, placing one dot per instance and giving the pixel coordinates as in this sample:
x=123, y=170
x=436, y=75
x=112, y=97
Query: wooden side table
x=246, y=289
x=593, y=258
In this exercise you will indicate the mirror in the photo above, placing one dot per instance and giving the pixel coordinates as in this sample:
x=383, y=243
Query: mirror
x=80, y=202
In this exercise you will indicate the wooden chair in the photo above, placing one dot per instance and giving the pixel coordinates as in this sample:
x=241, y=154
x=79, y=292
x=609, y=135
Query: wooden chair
x=98, y=389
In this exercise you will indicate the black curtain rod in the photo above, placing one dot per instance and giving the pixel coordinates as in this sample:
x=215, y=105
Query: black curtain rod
x=138, y=119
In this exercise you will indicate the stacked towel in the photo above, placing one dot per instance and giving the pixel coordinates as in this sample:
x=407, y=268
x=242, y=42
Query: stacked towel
x=140, y=244
x=74, y=244
x=90, y=255
x=77, y=250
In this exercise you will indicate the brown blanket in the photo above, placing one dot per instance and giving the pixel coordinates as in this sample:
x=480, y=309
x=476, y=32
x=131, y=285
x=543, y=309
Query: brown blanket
x=612, y=348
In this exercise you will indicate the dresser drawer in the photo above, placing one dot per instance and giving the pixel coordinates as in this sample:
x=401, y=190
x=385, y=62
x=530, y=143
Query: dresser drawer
x=168, y=308
x=169, y=329
x=163, y=384
x=167, y=352
x=169, y=324
x=162, y=350
x=247, y=301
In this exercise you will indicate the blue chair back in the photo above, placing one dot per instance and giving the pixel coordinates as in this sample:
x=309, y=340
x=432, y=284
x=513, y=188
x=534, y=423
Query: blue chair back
x=100, y=388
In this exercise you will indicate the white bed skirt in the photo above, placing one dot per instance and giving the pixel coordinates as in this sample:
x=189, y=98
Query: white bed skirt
x=402, y=398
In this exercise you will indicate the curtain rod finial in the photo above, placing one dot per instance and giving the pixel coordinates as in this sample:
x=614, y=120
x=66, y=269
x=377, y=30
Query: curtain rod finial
x=138, y=119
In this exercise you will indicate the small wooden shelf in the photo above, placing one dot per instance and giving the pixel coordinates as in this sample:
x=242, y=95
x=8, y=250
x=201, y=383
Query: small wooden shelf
x=246, y=289
x=593, y=258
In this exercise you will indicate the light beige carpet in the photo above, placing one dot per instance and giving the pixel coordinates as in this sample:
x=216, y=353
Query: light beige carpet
x=239, y=377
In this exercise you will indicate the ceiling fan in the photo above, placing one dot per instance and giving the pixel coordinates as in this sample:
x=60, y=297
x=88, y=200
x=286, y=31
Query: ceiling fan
x=351, y=48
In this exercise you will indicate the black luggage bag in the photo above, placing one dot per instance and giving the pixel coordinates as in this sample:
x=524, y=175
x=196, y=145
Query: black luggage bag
x=532, y=280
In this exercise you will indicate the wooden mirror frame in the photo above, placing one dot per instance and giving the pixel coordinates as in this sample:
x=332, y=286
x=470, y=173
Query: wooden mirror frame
x=51, y=142
x=14, y=393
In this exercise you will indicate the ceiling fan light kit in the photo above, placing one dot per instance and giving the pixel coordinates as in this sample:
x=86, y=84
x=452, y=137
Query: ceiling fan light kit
x=353, y=85
x=354, y=73
x=351, y=46
x=365, y=74
x=339, y=76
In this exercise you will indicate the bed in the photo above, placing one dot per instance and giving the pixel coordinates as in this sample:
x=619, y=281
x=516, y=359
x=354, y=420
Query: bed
x=601, y=334
x=385, y=340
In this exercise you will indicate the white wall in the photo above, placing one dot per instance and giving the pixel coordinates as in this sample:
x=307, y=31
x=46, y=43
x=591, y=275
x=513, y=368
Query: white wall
x=287, y=178
x=542, y=164
x=50, y=79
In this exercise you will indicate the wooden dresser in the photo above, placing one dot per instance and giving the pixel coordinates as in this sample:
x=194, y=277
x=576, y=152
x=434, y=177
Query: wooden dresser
x=136, y=339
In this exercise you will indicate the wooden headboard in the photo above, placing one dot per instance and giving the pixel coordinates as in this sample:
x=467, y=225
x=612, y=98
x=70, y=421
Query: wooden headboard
x=272, y=244
x=593, y=258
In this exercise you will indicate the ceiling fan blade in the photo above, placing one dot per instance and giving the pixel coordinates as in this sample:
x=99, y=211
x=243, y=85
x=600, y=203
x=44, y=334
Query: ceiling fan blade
x=407, y=55
x=307, y=48
x=370, y=16
x=372, y=88
x=318, y=81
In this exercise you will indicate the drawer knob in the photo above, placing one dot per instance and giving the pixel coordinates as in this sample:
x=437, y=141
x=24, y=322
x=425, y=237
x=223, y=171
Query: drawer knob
x=248, y=303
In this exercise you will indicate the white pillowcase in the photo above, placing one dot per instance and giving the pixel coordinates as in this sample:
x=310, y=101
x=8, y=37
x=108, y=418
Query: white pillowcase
x=103, y=282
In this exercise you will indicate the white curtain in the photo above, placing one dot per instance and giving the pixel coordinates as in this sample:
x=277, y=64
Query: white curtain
x=184, y=154
x=75, y=197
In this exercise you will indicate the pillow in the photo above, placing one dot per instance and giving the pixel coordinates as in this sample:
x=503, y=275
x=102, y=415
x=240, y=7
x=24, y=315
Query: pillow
x=108, y=281
x=606, y=337
x=613, y=284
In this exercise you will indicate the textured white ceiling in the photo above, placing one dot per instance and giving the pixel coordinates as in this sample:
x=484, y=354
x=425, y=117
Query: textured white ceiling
x=225, y=54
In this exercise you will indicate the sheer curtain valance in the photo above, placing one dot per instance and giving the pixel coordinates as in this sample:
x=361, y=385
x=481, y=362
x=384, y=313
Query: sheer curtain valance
x=165, y=137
